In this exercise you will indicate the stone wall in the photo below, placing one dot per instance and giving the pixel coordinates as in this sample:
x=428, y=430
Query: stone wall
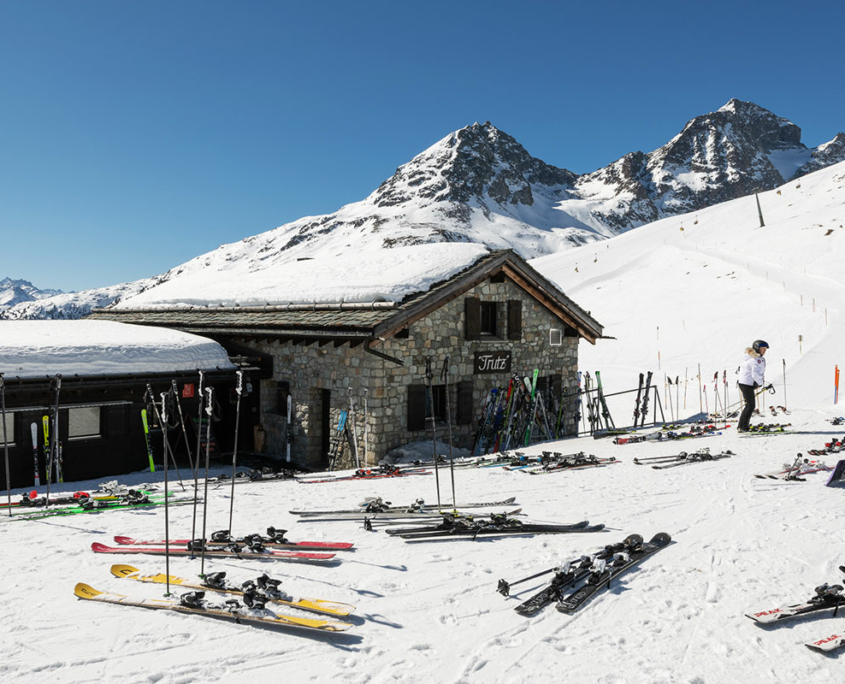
x=310, y=369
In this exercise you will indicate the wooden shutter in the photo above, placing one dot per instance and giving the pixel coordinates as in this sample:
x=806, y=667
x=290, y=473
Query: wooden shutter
x=473, y=318
x=416, y=407
x=514, y=319
x=464, y=409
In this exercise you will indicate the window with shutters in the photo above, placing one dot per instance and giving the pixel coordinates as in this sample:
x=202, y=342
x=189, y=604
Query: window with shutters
x=420, y=407
x=489, y=322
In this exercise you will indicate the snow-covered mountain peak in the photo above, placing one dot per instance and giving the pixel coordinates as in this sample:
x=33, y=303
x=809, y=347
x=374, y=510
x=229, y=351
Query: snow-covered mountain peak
x=13, y=292
x=477, y=162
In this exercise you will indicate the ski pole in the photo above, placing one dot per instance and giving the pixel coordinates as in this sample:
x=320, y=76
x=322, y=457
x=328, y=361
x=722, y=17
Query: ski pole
x=6, y=443
x=199, y=447
x=55, y=437
x=428, y=376
x=678, y=396
x=208, y=410
x=784, y=385
x=166, y=498
x=175, y=388
x=700, y=405
x=504, y=587
x=239, y=390
x=444, y=375
x=168, y=452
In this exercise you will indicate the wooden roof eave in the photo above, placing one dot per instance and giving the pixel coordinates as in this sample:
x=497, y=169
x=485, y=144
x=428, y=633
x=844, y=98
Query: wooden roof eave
x=504, y=263
x=432, y=302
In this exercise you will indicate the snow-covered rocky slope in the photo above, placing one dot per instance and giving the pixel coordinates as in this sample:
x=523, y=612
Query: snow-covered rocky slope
x=479, y=185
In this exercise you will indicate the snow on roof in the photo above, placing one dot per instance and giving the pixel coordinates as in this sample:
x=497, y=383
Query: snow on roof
x=30, y=349
x=368, y=275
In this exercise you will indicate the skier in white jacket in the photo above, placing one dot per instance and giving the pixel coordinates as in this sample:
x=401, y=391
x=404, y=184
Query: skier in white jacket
x=752, y=374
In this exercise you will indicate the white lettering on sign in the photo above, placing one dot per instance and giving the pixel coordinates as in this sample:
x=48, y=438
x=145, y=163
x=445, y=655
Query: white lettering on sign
x=489, y=362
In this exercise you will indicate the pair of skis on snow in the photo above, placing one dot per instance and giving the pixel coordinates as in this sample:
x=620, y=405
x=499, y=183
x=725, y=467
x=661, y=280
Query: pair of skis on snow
x=249, y=607
x=793, y=471
x=378, y=509
x=223, y=545
x=462, y=526
x=587, y=576
x=683, y=458
x=826, y=597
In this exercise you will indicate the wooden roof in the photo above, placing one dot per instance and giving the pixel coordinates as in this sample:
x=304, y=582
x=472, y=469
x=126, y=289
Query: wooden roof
x=358, y=322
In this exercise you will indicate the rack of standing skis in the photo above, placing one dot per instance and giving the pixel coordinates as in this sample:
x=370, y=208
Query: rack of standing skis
x=522, y=413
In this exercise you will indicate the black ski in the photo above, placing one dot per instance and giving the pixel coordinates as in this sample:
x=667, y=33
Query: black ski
x=603, y=572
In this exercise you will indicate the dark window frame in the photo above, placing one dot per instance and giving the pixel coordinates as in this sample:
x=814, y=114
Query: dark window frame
x=489, y=319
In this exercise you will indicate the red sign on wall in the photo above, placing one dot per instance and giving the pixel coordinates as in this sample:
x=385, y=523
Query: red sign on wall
x=188, y=390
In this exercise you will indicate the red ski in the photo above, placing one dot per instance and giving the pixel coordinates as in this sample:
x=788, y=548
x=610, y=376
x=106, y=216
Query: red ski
x=317, y=545
x=269, y=554
x=370, y=474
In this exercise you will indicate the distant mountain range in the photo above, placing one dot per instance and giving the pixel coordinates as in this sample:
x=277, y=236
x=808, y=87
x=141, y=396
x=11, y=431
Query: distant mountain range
x=14, y=292
x=480, y=185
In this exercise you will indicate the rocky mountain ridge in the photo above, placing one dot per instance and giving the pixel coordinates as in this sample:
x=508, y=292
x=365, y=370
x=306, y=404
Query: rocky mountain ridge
x=14, y=292
x=480, y=185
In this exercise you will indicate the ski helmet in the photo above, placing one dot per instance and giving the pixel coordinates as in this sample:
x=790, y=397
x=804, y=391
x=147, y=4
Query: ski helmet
x=758, y=344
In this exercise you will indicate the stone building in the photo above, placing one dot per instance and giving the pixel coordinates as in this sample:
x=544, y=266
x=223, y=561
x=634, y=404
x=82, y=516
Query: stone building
x=497, y=317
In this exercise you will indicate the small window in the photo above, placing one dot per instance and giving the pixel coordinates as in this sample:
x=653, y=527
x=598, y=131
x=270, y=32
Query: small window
x=488, y=318
x=438, y=392
x=83, y=422
x=555, y=337
x=10, y=430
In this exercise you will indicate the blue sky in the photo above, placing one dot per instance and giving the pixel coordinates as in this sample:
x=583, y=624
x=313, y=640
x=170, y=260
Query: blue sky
x=137, y=135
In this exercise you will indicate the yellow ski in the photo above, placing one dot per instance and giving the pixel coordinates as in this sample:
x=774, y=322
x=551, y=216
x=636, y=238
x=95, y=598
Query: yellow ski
x=238, y=613
x=310, y=604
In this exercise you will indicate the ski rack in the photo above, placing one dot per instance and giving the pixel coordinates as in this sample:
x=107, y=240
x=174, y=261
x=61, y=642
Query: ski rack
x=654, y=408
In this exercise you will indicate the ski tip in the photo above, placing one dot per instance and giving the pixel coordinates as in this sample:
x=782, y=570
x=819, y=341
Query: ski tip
x=124, y=540
x=85, y=591
x=97, y=547
x=661, y=538
x=120, y=570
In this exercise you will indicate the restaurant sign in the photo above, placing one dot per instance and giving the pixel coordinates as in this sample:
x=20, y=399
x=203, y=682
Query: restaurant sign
x=492, y=362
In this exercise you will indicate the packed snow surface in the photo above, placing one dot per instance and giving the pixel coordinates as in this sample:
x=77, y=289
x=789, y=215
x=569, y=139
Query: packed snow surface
x=44, y=348
x=429, y=611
